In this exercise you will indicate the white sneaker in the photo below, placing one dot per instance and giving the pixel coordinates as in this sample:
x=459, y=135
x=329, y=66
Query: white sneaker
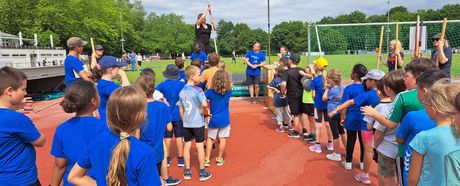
x=334, y=157
x=315, y=148
x=361, y=165
x=346, y=165
x=330, y=146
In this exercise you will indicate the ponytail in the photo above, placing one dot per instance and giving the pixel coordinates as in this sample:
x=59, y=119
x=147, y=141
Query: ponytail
x=116, y=175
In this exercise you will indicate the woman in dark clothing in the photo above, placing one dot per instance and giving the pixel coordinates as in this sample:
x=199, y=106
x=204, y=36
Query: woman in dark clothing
x=203, y=30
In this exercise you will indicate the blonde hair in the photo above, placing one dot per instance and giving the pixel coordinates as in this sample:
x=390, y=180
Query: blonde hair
x=442, y=96
x=221, y=82
x=126, y=111
x=191, y=71
x=336, y=76
x=397, y=44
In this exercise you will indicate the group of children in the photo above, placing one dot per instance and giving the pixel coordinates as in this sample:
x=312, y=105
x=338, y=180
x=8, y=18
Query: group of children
x=404, y=119
x=121, y=133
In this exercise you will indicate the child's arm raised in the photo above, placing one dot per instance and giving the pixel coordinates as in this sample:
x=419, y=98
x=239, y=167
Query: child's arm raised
x=77, y=176
x=124, y=78
x=60, y=165
x=339, y=108
x=326, y=92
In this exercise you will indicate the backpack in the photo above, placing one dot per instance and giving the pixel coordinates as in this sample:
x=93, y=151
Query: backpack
x=306, y=81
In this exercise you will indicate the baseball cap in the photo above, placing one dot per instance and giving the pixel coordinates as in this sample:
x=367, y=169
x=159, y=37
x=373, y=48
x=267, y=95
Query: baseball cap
x=110, y=61
x=374, y=74
x=294, y=57
x=98, y=47
x=321, y=62
x=75, y=42
x=437, y=36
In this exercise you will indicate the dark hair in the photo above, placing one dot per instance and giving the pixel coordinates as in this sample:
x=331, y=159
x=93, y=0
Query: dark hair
x=199, y=15
x=429, y=77
x=197, y=47
x=179, y=62
x=285, y=61
x=11, y=77
x=148, y=72
x=213, y=59
x=285, y=47
x=279, y=71
x=78, y=96
x=197, y=63
x=457, y=102
x=418, y=66
x=395, y=81
x=147, y=84
x=381, y=89
x=359, y=70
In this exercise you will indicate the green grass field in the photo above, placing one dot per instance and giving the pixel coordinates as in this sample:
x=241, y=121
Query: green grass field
x=342, y=62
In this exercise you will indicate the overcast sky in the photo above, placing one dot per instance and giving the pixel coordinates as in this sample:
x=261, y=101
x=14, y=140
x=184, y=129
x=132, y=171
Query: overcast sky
x=254, y=12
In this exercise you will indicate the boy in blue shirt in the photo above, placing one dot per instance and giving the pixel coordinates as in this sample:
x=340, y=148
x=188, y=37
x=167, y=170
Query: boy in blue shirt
x=110, y=71
x=254, y=60
x=279, y=101
x=198, y=53
x=18, y=135
x=181, y=65
x=192, y=105
x=170, y=89
x=73, y=67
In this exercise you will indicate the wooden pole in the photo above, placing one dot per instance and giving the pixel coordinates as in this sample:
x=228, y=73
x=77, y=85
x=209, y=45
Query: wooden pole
x=417, y=38
x=443, y=34
x=396, y=46
x=380, y=46
x=92, y=42
x=213, y=29
x=47, y=107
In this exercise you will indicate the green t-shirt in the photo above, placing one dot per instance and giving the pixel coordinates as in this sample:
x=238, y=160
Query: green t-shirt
x=452, y=168
x=307, y=97
x=405, y=102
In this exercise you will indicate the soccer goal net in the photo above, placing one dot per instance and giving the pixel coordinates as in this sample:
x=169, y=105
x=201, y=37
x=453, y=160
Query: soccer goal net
x=347, y=44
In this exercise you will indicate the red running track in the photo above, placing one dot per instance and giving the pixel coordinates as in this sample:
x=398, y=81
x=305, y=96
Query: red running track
x=255, y=154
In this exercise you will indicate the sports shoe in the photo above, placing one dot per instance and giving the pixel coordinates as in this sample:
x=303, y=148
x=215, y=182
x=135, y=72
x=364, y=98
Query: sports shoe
x=334, y=157
x=346, y=165
x=361, y=165
x=251, y=100
x=315, y=148
x=305, y=135
x=329, y=146
x=187, y=174
x=363, y=178
x=309, y=137
x=256, y=100
x=293, y=134
x=181, y=162
x=274, y=116
x=172, y=181
x=285, y=126
x=168, y=161
x=312, y=141
x=205, y=175
x=207, y=163
x=279, y=129
x=220, y=162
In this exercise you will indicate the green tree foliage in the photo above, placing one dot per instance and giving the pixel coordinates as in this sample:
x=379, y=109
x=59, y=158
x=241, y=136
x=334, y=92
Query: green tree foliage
x=291, y=34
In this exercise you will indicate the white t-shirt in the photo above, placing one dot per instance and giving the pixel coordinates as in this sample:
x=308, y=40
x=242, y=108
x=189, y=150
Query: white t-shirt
x=388, y=146
x=139, y=57
x=157, y=95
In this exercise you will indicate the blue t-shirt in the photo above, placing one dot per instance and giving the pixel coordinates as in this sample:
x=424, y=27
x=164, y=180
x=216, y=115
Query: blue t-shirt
x=170, y=89
x=413, y=123
x=140, y=164
x=318, y=87
x=434, y=145
x=201, y=56
x=74, y=135
x=333, y=97
x=219, y=108
x=72, y=66
x=354, y=118
x=158, y=116
x=254, y=59
x=182, y=76
x=191, y=98
x=132, y=57
x=369, y=98
x=278, y=99
x=17, y=155
x=105, y=89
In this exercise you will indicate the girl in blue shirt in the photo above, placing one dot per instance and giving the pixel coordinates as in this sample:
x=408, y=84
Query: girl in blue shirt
x=117, y=157
x=76, y=133
x=219, y=124
x=430, y=147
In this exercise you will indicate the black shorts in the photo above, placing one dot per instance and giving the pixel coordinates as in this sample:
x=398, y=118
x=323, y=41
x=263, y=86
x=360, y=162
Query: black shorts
x=295, y=105
x=159, y=168
x=336, y=127
x=308, y=109
x=139, y=63
x=252, y=80
x=194, y=133
x=178, y=130
x=320, y=114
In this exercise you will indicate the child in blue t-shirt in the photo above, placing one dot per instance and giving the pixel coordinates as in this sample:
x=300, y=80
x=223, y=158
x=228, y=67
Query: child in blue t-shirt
x=158, y=121
x=332, y=95
x=280, y=101
x=18, y=135
x=170, y=89
x=192, y=104
x=110, y=68
x=181, y=65
x=430, y=147
x=219, y=124
x=76, y=133
x=199, y=54
x=126, y=112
